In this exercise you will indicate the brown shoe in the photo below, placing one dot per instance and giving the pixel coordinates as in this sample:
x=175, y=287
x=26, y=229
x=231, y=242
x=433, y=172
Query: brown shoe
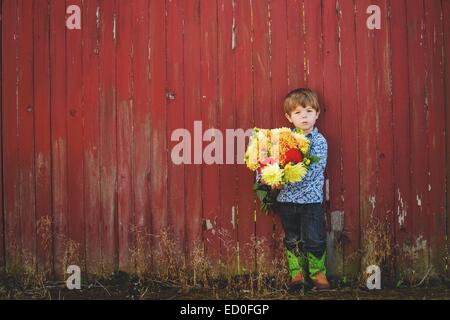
x=299, y=279
x=320, y=281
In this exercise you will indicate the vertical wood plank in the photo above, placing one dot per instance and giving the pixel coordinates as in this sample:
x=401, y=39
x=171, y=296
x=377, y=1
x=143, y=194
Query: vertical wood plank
x=278, y=32
x=350, y=136
x=314, y=48
x=332, y=101
x=141, y=120
x=91, y=141
x=158, y=120
x=446, y=38
x=2, y=215
x=193, y=176
x=401, y=129
x=41, y=43
x=125, y=142
x=418, y=244
x=295, y=44
x=382, y=78
x=436, y=138
x=108, y=134
x=227, y=121
x=75, y=163
x=245, y=116
x=26, y=133
x=367, y=122
x=176, y=117
x=263, y=112
x=59, y=131
x=279, y=88
x=210, y=172
x=9, y=134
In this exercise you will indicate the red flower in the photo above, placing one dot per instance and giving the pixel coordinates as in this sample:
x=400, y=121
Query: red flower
x=293, y=155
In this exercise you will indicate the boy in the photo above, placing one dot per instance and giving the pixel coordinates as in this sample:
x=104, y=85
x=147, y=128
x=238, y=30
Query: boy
x=300, y=204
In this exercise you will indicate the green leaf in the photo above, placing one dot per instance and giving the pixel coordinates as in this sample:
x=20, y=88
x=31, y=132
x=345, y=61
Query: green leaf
x=314, y=158
x=261, y=194
x=266, y=196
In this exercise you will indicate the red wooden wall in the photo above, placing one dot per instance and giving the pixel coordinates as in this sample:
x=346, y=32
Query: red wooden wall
x=87, y=116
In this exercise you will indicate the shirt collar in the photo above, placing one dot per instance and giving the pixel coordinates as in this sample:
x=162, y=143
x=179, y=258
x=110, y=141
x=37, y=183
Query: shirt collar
x=313, y=133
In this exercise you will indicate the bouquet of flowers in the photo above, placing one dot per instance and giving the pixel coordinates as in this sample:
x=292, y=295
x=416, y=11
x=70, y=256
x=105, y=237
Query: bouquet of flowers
x=279, y=156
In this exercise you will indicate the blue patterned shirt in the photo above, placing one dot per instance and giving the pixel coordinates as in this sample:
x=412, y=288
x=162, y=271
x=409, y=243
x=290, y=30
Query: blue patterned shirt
x=310, y=189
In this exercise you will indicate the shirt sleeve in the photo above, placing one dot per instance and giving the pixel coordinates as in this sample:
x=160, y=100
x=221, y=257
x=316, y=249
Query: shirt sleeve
x=322, y=152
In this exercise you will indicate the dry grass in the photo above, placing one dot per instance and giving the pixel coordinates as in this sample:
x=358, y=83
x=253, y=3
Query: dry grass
x=71, y=254
x=44, y=233
x=161, y=263
x=24, y=276
x=279, y=269
x=139, y=256
x=409, y=256
x=169, y=264
x=378, y=249
x=200, y=268
x=229, y=253
x=163, y=260
x=169, y=257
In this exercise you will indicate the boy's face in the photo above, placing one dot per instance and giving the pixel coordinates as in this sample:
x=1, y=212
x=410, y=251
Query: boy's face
x=303, y=118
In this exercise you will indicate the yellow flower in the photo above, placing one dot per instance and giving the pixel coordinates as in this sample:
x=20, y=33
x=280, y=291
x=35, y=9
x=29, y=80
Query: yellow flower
x=302, y=141
x=307, y=162
x=251, y=155
x=294, y=172
x=272, y=174
x=257, y=142
x=279, y=131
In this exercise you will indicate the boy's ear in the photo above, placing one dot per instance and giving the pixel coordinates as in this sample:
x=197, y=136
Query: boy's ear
x=288, y=117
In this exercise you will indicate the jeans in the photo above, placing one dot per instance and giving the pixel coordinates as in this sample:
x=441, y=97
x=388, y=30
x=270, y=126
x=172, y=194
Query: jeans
x=303, y=226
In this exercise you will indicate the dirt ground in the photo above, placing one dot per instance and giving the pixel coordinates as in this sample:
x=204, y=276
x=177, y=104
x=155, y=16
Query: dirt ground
x=175, y=294
x=122, y=287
